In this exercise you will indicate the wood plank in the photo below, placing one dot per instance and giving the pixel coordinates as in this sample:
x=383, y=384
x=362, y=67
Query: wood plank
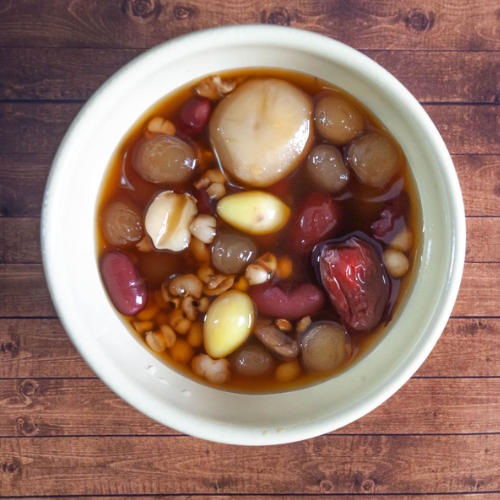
x=467, y=129
x=424, y=25
x=479, y=178
x=41, y=348
x=57, y=73
x=467, y=348
x=83, y=407
x=24, y=292
x=22, y=180
x=483, y=240
x=459, y=496
x=74, y=74
x=20, y=240
x=175, y=465
x=35, y=127
x=479, y=293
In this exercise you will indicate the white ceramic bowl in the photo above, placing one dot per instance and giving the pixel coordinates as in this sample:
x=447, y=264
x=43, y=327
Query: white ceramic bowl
x=69, y=252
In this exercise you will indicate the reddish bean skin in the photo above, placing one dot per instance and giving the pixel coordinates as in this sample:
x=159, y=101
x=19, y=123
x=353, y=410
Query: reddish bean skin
x=125, y=287
x=289, y=303
x=194, y=116
x=356, y=281
x=392, y=211
x=317, y=218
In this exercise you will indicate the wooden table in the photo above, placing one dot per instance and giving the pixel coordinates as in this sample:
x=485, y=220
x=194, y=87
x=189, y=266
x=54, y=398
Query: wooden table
x=63, y=433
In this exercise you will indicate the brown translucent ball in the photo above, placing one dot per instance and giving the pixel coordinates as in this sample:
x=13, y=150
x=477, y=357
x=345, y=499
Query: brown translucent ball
x=252, y=361
x=121, y=224
x=231, y=253
x=164, y=159
x=323, y=347
x=375, y=159
x=337, y=119
x=327, y=169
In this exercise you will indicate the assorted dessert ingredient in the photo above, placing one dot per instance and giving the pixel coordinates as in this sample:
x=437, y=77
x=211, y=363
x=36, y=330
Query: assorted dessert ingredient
x=316, y=219
x=168, y=220
x=327, y=169
x=126, y=289
x=356, y=281
x=164, y=159
x=228, y=323
x=262, y=130
x=324, y=346
x=254, y=212
x=375, y=159
x=121, y=224
x=337, y=119
x=257, y=232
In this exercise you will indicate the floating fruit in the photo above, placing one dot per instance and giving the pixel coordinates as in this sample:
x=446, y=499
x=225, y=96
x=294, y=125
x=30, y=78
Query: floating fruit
x=254, y=212
x=228, y=323
x=262, y=130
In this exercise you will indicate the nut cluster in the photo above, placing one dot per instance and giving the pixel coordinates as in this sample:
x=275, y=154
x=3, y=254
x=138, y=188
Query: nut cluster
x=213, y=181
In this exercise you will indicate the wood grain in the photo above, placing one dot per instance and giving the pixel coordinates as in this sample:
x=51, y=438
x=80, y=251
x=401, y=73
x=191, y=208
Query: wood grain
x=333, y=464
x=82, y=407
x=424, y=25
x=35, y=128
x=22, y=180
x=31, y=348
x=39, y=348
x=483, y=240
x=20, y=240
x=479, y=291
x=459, y=496
x=479, y=178
x=24, y=293
x=74, y=74
x=39, y=127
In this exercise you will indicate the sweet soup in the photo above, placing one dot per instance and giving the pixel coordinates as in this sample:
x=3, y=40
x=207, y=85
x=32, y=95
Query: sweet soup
x=258, y=230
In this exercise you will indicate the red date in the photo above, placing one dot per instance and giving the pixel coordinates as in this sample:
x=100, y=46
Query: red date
x=125, y=287
x=356, y=281
x=292, y=302
x=392, y=211
x=194, y=116
x=316, y=219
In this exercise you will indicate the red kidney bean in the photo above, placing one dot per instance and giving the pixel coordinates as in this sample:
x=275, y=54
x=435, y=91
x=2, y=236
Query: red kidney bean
x=356, y=281
x=125, y=287
x=194, y=116
x=291, y=302
x=393, y=210
x=316, y=219
x=206, y=205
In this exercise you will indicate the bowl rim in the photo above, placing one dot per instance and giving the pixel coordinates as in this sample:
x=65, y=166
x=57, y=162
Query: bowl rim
x=280, y=37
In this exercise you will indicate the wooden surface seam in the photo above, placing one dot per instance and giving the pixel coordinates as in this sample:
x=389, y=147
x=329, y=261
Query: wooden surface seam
x=64, y=434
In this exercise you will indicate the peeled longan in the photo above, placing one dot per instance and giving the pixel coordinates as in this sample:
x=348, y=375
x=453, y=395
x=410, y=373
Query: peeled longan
x=121, y=224
x=326, y=168
x=375, y=159
x=337, y=119
x=164, y=159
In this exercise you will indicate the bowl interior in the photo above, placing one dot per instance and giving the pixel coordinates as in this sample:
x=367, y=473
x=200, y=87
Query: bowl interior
x=131, y=371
